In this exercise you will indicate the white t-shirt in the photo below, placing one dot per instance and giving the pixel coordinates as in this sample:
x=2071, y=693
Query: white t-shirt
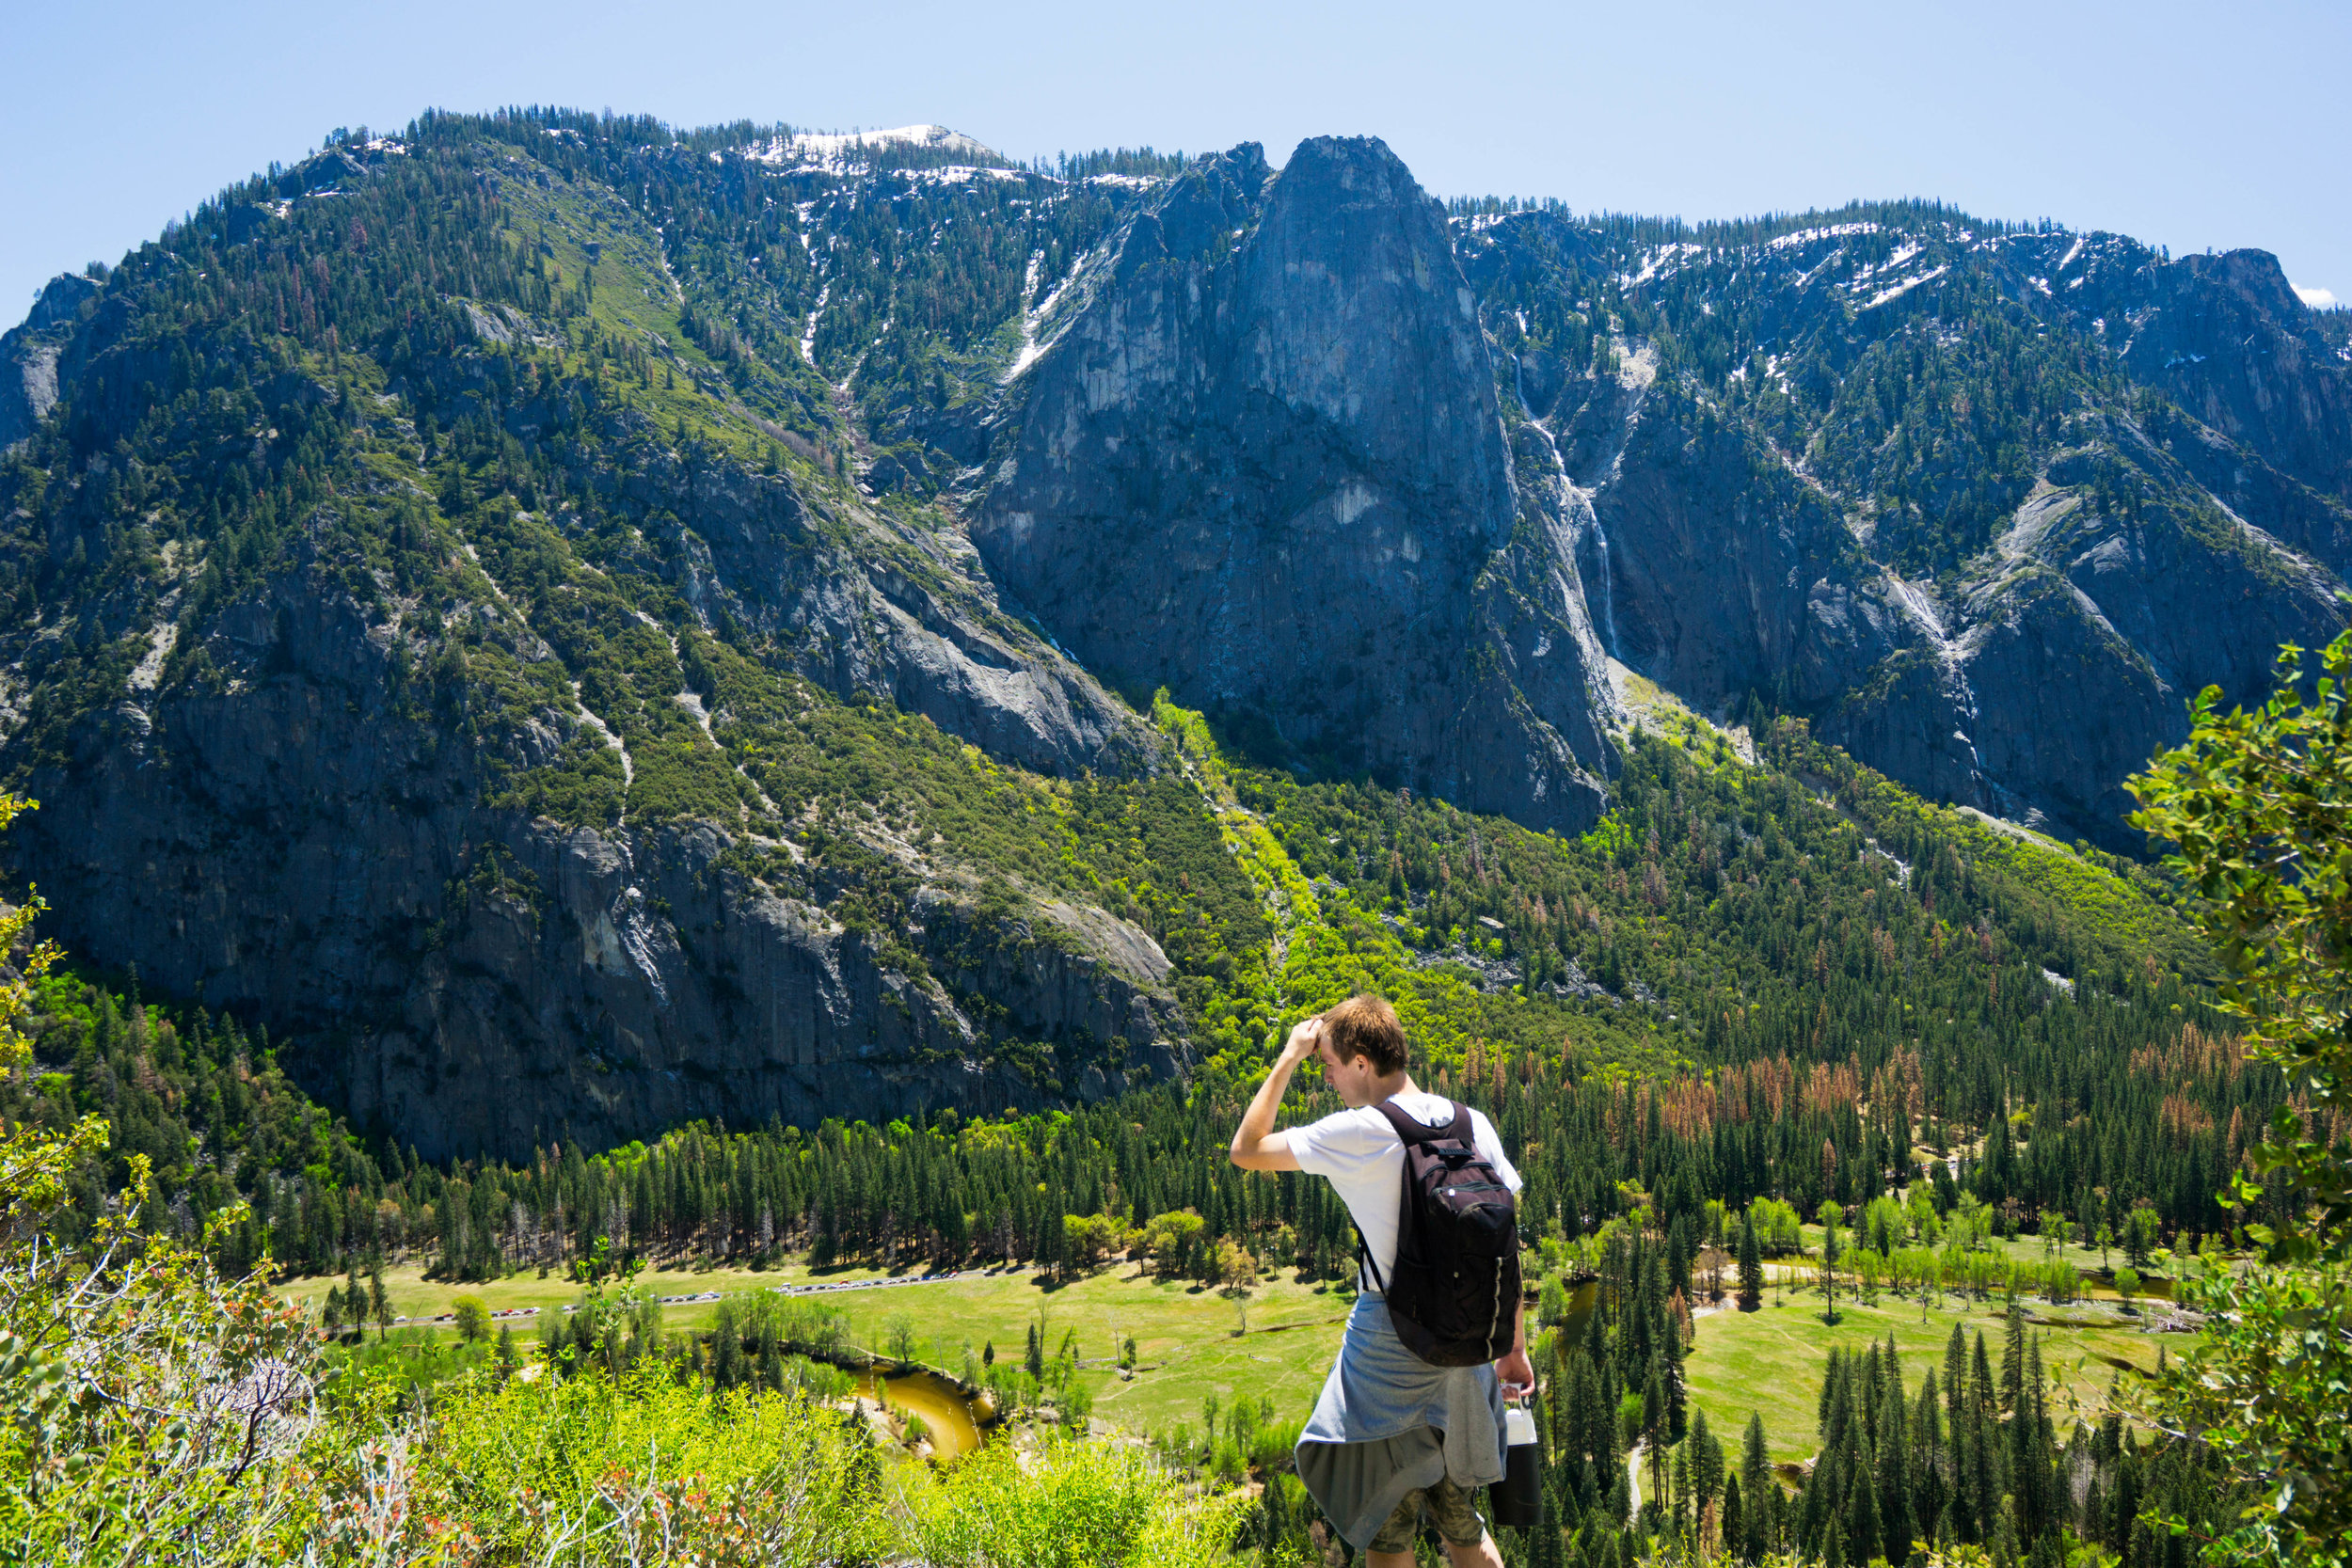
x=1361, y=1156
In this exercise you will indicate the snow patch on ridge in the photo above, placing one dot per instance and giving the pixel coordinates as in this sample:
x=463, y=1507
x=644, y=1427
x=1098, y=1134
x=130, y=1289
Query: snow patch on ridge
x=835, y=150
x=1896, y=290
x=1807, y=236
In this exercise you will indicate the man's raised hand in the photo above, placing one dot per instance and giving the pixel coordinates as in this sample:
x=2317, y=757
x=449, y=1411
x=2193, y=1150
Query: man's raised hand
x=1256, y=1145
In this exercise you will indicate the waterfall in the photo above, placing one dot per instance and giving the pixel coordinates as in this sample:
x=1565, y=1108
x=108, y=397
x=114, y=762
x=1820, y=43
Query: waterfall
x=1567, y=493
x=1608, y=588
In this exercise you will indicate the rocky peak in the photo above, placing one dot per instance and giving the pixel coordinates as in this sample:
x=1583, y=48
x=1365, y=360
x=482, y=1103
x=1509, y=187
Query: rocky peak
x=1265, y=466
x=1204, y=209
x=60, y=301
x=29, y=355
x=1351, y=271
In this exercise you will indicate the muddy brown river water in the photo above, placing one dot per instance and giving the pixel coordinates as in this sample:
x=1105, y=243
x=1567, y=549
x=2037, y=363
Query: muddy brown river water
x=954, y=1434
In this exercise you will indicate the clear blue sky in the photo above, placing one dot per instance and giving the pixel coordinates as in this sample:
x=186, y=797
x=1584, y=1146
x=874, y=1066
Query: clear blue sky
x=2190, y=126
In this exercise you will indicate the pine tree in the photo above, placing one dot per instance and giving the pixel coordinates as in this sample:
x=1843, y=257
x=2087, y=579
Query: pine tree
x=1927, y=1494
x=1829, y=1216
x=1673, y=1351
x=1841, y=1407
x=1984, y=1451
x=1751, y=1267
x=1592, y=1426
x=1894, y=1475
x=2123, y=1507
x=2014, y=1360
x=1863, y=1529
x=2030, y=1479
x=1755, y=1460
x=1654, y=1417
x=1707, y=1459
x=726, y=1348
x=1274, y=1524
x=1814, y=1503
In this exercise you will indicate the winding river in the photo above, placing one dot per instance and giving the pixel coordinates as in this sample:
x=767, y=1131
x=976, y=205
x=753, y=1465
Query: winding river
x=942, y=1408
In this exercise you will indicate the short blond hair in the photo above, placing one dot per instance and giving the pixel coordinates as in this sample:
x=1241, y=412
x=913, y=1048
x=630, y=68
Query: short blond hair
x=1365, y=1025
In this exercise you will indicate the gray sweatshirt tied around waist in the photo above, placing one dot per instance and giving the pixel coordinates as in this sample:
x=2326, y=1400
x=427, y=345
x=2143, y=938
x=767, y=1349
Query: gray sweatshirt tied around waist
x=1387, y=1423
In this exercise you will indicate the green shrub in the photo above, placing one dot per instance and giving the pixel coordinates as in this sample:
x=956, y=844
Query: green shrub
x=1080, y=1506
x=1271, y=1445
x=641, y=1467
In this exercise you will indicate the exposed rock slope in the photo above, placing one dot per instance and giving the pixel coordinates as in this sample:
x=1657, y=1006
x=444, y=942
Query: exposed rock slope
x=296, y=846
x=1989, y=508
x=1264, y=465
x=472, y=718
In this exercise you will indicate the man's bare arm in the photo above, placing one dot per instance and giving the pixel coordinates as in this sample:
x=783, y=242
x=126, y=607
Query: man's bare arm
x=1256, y=1145
x=1515, y=1371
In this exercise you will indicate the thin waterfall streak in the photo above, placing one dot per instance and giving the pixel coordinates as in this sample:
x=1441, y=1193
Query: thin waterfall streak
x=1568, y=491
x=1608, y=589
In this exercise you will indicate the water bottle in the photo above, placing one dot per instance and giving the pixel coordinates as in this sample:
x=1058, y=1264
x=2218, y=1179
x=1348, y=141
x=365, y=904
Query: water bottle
x=1518, y=1499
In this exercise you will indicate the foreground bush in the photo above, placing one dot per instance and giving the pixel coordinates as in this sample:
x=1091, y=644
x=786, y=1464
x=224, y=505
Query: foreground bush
x=1076, y=1505
x=185, y=1420
x=598, y=1470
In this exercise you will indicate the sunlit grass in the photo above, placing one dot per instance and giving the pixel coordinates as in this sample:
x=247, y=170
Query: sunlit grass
x=1186, y=1341
x=1772, y=1361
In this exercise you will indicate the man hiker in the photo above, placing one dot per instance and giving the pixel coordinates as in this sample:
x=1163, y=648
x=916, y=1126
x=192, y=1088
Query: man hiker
x=1392, y=1433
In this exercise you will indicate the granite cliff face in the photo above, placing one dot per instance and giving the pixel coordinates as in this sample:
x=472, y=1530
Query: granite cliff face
x=1892, y=505
x=459, y=781
x=1263, y=464
x=296, y=846
x=29, y=355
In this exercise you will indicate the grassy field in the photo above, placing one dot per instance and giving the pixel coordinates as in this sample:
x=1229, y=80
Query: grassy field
x=1186, y=1340
x=1771, y=1361
x=415, y=1296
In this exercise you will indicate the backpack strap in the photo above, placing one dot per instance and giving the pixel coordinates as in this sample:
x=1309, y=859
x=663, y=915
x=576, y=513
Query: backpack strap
x=1412, y=1130
x=1409, y=1131
x=1365, y=1262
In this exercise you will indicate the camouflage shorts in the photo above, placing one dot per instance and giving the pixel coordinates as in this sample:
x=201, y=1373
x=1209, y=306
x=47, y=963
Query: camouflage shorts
x=1452, y=1509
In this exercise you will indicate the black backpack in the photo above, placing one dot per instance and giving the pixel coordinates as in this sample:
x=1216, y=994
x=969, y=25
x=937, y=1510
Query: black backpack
x=1454, y=1292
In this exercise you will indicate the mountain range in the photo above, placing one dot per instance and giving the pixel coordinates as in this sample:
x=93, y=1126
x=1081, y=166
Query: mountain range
x=575, y=625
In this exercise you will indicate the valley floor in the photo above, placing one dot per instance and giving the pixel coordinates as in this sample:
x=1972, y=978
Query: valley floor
x=1191, y=1341
x=1277, y=1343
